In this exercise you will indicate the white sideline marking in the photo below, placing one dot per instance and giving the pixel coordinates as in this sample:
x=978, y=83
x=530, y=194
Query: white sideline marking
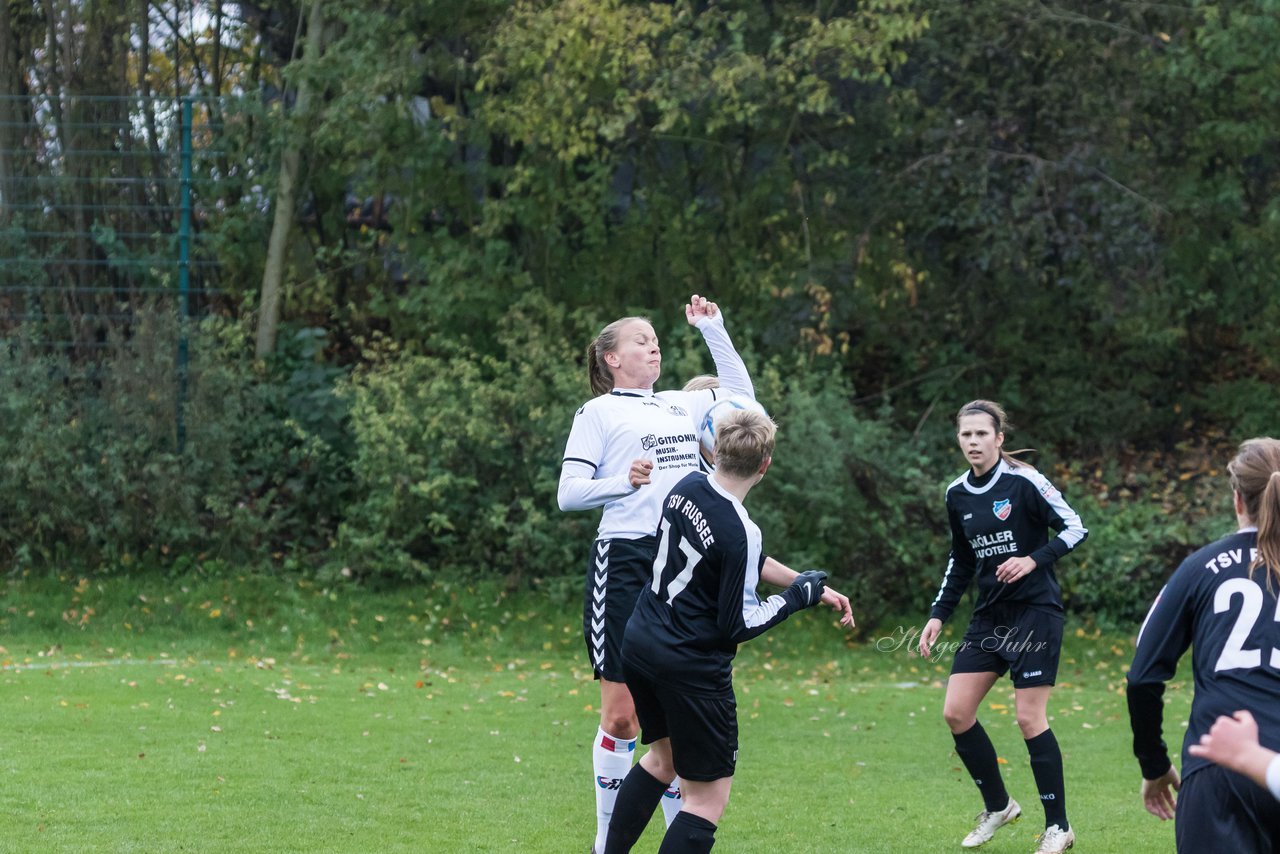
x=115, y=662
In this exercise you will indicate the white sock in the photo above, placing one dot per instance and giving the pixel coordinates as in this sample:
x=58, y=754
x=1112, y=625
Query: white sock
x=672, y=801
x=611, y=760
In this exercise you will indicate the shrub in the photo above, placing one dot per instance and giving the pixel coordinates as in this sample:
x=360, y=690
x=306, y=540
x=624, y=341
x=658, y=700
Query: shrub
x=1137, y=538
x=100, y=477
x=848, y=495
x=457, y=455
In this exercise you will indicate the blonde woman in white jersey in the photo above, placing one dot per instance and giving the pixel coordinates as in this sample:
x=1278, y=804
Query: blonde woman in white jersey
x=628, y=447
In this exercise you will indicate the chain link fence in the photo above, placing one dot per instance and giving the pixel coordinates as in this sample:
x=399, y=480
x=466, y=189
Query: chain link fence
x=103, y=213
x=107, y=207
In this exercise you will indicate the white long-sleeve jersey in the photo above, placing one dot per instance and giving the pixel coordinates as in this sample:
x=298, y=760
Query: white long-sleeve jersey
x=612, y=430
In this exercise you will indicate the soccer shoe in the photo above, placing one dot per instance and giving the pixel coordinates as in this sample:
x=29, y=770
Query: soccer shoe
x=989, y=822
x=1055, y=840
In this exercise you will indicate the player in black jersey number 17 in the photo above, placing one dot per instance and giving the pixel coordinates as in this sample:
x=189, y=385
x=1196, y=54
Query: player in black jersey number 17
x=679, y=645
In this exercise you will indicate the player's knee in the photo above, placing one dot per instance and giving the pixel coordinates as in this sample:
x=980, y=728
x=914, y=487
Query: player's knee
x=958, y=719
x=659, y=765
x=708, y=802
x=1032, y=723
x=620, y=724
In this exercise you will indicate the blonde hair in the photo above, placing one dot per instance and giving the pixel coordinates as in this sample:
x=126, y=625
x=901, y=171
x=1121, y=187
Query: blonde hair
x=1255, y=477
x=996, y=413
x=744, y=440
x=702, y=381
x=599, y=373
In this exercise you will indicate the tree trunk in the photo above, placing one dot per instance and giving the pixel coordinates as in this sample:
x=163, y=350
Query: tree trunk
x=11, y=89
x=285, y=204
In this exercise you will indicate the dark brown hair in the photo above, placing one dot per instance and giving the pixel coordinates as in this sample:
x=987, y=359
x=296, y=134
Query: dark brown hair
x=1255, y=477
x=996, y=413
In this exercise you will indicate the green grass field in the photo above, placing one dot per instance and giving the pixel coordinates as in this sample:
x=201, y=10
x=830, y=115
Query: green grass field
x=253, y=714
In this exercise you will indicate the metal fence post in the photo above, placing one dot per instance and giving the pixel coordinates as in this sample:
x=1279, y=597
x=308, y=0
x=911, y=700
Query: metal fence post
x=184, y=273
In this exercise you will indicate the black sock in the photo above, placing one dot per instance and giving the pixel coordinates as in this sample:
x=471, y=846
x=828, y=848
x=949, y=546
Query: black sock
x=1046, y=767
x=688, y=834
x=638, y=797
x=979, y=756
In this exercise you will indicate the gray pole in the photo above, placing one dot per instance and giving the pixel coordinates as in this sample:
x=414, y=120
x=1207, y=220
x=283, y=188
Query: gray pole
x=184, y=274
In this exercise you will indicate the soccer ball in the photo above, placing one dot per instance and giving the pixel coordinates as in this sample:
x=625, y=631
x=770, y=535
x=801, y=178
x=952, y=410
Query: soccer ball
x=707, y=429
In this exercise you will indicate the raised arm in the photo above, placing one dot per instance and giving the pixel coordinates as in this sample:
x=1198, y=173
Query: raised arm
x=707, y=318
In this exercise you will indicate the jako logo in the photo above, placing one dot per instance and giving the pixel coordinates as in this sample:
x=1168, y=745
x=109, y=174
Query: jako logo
x=609, y=783
x=1048, y=797
x=1001, y=508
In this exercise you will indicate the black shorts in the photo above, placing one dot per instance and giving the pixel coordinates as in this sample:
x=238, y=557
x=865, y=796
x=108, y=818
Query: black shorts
x=1220, y=810
x=1022, y=641
x=703, y=730
x=616, y=573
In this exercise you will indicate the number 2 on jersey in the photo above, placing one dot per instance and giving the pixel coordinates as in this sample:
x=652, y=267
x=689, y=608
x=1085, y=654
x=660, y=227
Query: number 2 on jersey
x=691, y=558
x=1234, y=655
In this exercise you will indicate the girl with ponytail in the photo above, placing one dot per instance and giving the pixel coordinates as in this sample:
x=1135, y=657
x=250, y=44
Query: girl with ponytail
x=1221, y=603
x=628, y=447
x=1001, y=511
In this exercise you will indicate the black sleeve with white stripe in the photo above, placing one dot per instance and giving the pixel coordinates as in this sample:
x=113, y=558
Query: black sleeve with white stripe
x=961, y=565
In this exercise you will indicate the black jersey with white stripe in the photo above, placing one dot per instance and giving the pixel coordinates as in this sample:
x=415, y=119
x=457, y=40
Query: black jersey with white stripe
x=702, y=601
x=1006, y=513
x=1229, y=618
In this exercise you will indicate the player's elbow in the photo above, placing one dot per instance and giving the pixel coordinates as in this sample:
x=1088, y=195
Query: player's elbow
x=565, y=496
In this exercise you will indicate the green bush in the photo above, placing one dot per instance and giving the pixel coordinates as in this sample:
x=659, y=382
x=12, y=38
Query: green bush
x=268, y=443
x=1136, y=541
x=847, y=495
x=95, y=472
x=457, y=455
x=98, y=477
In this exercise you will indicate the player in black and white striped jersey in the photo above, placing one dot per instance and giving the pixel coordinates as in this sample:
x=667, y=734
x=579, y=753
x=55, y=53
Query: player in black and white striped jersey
x=628, y=446
x=1222, y=604
x=1000, y=512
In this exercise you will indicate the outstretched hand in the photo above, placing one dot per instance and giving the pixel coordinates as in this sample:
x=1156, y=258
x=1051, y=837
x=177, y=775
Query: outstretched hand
x=698, y=308
x=1232, y=742
x=840, y=603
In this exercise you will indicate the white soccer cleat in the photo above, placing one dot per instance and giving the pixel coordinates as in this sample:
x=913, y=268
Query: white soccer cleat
x=1055, y=840
x=989, y=822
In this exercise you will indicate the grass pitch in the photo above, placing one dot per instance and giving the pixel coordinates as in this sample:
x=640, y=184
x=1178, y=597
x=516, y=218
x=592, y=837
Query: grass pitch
x=259, y=715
